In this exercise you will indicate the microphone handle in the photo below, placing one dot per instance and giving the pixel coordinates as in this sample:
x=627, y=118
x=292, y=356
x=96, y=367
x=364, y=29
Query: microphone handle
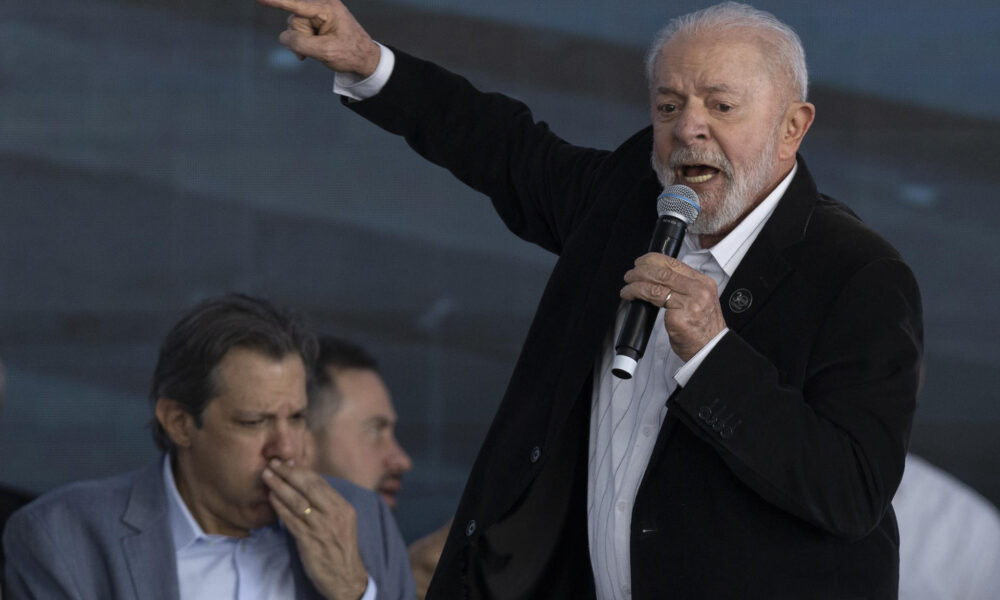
x=641, y=315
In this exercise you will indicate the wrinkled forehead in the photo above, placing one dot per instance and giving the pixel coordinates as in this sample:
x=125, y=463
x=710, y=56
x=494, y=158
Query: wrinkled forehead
x=247, y=379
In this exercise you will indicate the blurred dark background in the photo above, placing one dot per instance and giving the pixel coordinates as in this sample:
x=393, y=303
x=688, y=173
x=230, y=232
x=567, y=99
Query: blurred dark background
x=156, y=152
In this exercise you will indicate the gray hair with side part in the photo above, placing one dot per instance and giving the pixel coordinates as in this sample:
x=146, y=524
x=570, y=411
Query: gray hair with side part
x=783, y=50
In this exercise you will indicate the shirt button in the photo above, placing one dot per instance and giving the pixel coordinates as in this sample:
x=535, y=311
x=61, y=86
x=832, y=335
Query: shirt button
x=647, y=430
x=470, y=527
x=536, y=453
x=621, y=506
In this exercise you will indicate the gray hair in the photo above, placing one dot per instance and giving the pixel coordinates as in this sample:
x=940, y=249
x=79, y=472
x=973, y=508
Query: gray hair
x=784, y=48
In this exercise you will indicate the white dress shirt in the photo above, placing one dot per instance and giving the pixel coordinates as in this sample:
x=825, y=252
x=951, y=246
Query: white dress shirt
x=949, y=537
x=220, y=567
x=355, y=88
x=626, y=414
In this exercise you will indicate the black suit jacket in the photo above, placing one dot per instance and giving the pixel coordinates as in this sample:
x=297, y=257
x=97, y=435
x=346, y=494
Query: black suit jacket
x=774, y=469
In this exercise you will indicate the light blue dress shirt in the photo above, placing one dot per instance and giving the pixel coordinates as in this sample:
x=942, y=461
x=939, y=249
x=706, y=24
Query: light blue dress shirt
x=217, y=567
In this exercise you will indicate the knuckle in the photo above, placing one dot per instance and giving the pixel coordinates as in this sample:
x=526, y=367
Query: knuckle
x=316, y=487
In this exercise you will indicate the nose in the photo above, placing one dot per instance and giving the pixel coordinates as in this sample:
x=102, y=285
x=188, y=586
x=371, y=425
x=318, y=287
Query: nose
x=692, y=125
x=398, y=460
x=284, y=442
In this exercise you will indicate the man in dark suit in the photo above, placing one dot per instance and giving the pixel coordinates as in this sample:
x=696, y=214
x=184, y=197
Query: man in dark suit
x=202, y=521
x=756, y=451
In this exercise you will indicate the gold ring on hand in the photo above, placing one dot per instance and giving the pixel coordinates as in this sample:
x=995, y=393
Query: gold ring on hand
x=307, y=511
x=667, y=299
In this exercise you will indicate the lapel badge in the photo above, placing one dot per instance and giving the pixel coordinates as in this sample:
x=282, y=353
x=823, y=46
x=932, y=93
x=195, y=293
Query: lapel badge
x=740, y=300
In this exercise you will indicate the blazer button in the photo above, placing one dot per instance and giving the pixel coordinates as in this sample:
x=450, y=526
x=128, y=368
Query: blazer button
x=536, y=453
x=706, y=411
x=470, y=528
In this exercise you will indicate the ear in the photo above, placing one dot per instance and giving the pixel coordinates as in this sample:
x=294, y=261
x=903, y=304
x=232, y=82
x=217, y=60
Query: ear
x=177, y=422
x=798, y=118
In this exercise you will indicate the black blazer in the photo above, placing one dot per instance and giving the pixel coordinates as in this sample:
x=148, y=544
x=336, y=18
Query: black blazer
x=773, y=472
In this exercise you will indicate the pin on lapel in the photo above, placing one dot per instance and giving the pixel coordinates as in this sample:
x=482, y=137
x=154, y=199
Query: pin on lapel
x=740, y=300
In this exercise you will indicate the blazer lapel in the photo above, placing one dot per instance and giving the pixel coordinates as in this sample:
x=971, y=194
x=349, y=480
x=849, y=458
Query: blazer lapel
x=628, y=239
x=304, y=588
x=759, y=273
x=149, y=552
x=765, y=265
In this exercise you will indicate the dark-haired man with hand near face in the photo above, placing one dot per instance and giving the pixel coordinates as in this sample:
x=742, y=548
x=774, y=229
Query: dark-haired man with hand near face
x=229, y=511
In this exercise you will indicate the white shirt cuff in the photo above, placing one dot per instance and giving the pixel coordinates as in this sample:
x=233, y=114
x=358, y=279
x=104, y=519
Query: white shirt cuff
x=371, y=590
x=355, y=88
x=684, y=374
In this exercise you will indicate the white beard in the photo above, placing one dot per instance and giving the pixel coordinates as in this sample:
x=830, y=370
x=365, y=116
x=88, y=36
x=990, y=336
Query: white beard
x=721, y=209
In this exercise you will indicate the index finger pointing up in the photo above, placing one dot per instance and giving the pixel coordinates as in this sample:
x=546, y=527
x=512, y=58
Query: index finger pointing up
x=302, y=8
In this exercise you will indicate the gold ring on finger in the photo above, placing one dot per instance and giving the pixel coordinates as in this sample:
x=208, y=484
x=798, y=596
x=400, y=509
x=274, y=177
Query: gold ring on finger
x=307, y=511
x=667, y=299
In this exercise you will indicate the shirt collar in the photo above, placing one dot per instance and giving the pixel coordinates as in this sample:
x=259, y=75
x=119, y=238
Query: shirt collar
x=185, y=530
x=729, y=251
x=183, y=527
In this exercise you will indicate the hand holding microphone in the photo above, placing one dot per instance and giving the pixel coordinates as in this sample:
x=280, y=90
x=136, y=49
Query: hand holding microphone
x=693, y=316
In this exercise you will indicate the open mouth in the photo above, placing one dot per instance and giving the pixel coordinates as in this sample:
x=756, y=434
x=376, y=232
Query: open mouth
x=697, y=173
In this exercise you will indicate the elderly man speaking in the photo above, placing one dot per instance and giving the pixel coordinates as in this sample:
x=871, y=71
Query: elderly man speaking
x=755, y=452
x=227, y=512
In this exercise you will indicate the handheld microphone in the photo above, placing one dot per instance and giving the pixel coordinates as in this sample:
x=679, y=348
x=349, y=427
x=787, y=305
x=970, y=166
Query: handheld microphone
x=678, y=207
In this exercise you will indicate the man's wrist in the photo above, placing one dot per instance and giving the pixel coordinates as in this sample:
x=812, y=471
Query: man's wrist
x=355, y=87
x=373, y=57
x=684, y=374
x=371, y=590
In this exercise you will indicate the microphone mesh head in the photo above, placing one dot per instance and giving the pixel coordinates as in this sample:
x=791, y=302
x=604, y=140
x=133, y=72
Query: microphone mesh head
x=679, y=201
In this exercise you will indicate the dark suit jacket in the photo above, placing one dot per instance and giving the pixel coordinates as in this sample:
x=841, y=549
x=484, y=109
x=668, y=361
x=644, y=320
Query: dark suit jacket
x=773, y=472
x=10, y=500
x=110, y=539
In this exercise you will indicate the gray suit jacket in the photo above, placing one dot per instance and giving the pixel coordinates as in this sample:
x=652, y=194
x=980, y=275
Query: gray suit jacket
x=110, y=538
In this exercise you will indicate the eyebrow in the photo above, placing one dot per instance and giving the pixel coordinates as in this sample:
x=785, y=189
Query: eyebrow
x=379, y=421
x=718, y=87
x=262, y=414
